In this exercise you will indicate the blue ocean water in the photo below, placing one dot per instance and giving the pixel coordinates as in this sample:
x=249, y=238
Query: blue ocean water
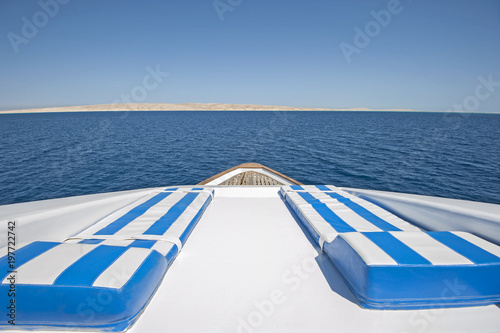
x=64, y=154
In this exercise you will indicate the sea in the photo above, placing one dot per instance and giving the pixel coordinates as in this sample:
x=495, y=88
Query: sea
x=54, y=155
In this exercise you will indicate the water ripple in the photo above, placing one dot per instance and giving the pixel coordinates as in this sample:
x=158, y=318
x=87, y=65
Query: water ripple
x=57, y=155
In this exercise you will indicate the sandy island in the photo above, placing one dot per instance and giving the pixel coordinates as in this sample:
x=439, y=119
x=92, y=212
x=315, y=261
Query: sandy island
x=182, y=107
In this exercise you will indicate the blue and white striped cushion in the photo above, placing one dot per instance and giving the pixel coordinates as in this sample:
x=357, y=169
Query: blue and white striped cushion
x=391, y=264
x=119, y=261
x=326, y=214
x=64, y=284
x=392, y=270
x=169, y=216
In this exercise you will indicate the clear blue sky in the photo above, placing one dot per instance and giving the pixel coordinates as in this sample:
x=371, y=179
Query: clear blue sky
x=283, y=52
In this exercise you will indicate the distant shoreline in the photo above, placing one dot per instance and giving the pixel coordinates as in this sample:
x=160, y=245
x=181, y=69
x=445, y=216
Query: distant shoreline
x=195, y=107
x=181, y=107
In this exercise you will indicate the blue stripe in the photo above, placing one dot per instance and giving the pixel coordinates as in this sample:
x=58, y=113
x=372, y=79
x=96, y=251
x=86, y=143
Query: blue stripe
x=87, y=269
x=171, y=189
x=309, y=198
x=195, y=220
x=145, y=243
x=25, y=254
x=322, y=188
x=162, y=225
x=132, y=215
x=364, y=213
x=336, y=222
x=198, y=189
x=296, y=187
x=465, y=248
x=398, y=251
x=91, y=241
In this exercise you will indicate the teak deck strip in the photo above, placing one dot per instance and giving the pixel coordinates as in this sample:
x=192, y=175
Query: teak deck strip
x=250, y=177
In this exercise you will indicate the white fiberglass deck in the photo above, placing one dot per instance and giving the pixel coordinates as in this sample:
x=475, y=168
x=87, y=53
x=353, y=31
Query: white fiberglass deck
x=249, y=267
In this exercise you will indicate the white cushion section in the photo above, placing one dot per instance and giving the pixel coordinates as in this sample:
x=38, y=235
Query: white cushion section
x=116, y=275
x=296, y=199
x=367, y=250
x=146, y=220
x=45, y=268
x=429, y=248
x=397, y=222
x=285, y=189
x=482, y=243
x=334, y=188
x=325, y=198
x=326, y=232
x=180, y=225
x=163, y=247
x=117, y=242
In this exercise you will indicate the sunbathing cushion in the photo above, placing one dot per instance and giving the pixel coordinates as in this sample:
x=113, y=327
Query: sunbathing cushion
x=326, y=214
x=81, y=285
x=103, y=277
x=170, y=215
x=394, y=270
